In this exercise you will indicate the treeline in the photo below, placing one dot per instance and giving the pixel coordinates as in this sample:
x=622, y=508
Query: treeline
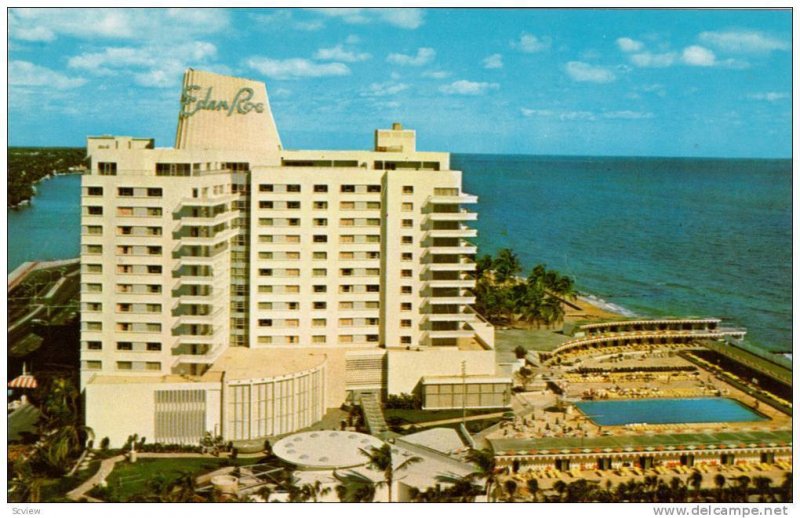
x=504, y=298
x=27, y=165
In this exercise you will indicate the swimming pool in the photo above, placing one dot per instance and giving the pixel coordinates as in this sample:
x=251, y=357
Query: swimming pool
x=667, y=411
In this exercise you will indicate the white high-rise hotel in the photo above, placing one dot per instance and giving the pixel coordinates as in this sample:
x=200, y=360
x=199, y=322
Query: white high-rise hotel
x=232, y=286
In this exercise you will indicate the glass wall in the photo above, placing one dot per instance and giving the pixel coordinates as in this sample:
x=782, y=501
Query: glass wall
x=478, y=395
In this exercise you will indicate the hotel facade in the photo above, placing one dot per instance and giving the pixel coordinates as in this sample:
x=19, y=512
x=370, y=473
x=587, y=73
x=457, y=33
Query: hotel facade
x=234, y=287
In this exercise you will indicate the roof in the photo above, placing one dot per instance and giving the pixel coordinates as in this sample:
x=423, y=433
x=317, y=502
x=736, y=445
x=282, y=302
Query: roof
x=444, y=440
x=455, y=380
x=325, y=449
x=627, y=443
x=244, y=363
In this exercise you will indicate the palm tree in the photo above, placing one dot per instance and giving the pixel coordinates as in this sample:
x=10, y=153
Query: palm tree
x=743, y=487
x=483, y=264
x=381, y=459
x=510, y=485
x=459, y=489
x=560, y=487
x=677, y=490
x=786, y=488
x=26, y=484
x=315, y=491
x=506, y=265
x=696, y=480
x=764, y=488
x=533, y=488
x=486, y=468
x=355, y=487
x=719, y=481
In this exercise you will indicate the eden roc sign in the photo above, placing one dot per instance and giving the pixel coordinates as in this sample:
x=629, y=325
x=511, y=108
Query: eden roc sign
x=193, y=101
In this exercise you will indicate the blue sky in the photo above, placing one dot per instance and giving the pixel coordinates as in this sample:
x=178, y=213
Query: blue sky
x=535, y=81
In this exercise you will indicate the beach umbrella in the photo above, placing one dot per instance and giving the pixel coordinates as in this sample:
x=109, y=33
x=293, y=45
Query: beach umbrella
x=23, y=381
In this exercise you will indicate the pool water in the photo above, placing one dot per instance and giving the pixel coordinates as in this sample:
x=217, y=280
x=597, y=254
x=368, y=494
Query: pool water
x=667, y=411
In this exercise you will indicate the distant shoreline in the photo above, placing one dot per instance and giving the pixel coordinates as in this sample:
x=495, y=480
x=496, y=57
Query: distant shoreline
x=27, y=202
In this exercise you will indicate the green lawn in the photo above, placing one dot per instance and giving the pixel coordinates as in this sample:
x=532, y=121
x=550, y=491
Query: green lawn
x=128, y=480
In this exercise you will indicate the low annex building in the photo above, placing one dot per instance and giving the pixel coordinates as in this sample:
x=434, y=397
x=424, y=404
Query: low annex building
x=231, y=286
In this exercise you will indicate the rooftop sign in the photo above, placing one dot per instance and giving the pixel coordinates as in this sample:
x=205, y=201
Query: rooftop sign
x=241, y=103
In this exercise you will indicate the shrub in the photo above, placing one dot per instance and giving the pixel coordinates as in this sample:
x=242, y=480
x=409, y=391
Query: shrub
x=104, y=443
x=520, y=352
x=403, y=401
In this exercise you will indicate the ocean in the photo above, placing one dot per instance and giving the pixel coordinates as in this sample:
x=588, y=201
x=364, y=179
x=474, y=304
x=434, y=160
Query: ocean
x=649, y=236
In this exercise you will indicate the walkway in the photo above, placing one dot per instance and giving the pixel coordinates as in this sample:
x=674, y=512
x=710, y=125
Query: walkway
x=373, y=415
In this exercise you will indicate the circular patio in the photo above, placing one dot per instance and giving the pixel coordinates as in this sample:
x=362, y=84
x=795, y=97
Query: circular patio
x=325, y=449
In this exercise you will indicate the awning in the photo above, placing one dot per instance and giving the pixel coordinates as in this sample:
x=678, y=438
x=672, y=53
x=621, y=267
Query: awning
x=25, y=381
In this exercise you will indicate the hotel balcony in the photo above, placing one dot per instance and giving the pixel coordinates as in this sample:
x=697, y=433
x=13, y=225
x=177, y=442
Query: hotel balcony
x=194, y=280
x=206, y=358
x=450, y=283
x=452, y=198
x=462, y=232
x=455, y=313
x=463, y=249
x=202, y=319
x=459, y=215
x=201, y=221
x=201, y=260
x=208, y=202
x=207, y=338
x=449, y=333
x=219, y=237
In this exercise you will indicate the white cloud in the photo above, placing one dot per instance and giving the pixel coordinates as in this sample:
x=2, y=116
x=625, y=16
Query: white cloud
x=424, y=56
x=698, y=56
x=464, y=87
x=152, y=66
x=284, y=18
x=405, y=18
x=295, y=68
x=584, y=72
x=629, y=45
x=352, y=39
x=769, y=96
x=530, y=43
x=743, y=41
x=338, y=53
x=436, y=74
x=583, y=115
x=25, y=73
x=650, y=60
x=120, y=24
x=493, y=61
x=384, y=89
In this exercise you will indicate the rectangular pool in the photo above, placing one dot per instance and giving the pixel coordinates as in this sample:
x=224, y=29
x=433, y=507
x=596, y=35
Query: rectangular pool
x=667, y=411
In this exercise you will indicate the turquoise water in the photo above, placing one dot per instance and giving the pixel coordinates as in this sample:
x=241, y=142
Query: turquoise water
x=49, y=229
x=667, y=411
x=656, y=236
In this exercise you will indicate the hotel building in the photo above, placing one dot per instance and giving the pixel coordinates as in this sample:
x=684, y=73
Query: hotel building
x=235, y=287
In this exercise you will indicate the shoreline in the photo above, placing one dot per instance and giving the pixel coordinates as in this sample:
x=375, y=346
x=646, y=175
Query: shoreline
x=27, y=202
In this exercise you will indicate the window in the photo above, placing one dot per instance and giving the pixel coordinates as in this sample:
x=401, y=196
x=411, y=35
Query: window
x=407, y=256
x=319, y=322
x=124, y=346
x=320, y=288
x=373, y=288
x=408, y=189
x=94, y=345
x=153, y=308
x=152, y=366
x=318, y=339
x=319, y=272
x=320, y=205
x=94, y=365
x=265, y=204
x=155, y=192
x=407, y=207
x=94, y=210
x=125, y=191
x=407, y=240
x=405, y=323
x=153, y=288
x=320, y=222
x=153, y=250
x=153, y=268
x=107, y=168
x=320, y=256
x=265, y=272
x=266, y=187
x=94, y=191
x=408, y=223
x=293, y=188
x=405, y=340
x=124, y=231
x=320, y=238
x=124, y=308
x=320, y=305
x=348, y=188
x=154, y=211
x=124, y=366
x=292, y=204
x=94, y=268
x=406, y=290
x=320, y=188
x=405, y=306
x=373, y=188
x=265, y=322
x=153, y=346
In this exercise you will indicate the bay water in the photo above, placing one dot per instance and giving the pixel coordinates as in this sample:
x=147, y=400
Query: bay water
x=653, y=236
